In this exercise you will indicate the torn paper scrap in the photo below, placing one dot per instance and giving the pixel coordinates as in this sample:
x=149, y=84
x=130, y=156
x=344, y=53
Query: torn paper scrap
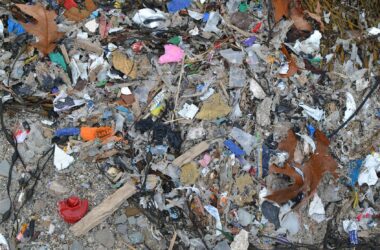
x=61, y=159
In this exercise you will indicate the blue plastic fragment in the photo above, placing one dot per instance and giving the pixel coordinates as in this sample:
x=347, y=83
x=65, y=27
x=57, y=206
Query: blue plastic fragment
x=234, y=148
x=94, y=14
x=177, y=5
x=354, y=167
x=310, y=129
x=15, y=27
x=265, y=160
x=127, y=113
x=249, y=41
x=107, y=114
x=67, y=132
x=206, y=15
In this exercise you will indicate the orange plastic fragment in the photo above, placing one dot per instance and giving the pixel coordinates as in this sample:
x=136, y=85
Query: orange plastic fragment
x=90, y=133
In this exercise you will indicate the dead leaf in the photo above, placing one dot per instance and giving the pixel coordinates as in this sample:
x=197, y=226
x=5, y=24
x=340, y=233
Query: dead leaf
x=76, y=14
x=289, y=145
x=122, y=63
x=45, y=29
x=280, y=8
x=313, y=169
x=297, y=15
x=104, y=27
x=213, y=108
x=291, y=62
x=317, y=18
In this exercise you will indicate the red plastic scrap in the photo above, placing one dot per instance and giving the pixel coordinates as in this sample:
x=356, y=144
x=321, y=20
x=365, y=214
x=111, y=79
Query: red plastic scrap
x=68, y=4
x=257, y=27
x=73, y=209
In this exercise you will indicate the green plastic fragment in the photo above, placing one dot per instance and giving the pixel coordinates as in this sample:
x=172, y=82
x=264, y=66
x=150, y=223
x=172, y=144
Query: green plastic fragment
x=57, y=58
x=175, y=40
x=101, y=84
x=243, y=7
x=315, y=60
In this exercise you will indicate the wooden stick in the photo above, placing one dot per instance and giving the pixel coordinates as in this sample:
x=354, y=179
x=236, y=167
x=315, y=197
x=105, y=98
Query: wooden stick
x=103, y=210
x=190, y=154
x=172, y=241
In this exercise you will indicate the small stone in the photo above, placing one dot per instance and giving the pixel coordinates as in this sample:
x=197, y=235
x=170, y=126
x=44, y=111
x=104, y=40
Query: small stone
x=105, y=237
x=122, y=229
x=240, y=241
x=132, y=211
x=245, y=218
x=5, y=204
x=271, y=212
x=4, y=170
x=121, y=219
x=223, y=245
x=76, y=245
x=56, y=188
x=136, y=238
x=132, y=220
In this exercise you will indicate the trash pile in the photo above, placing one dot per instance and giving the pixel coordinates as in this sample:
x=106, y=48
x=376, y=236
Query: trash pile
x=189, y=124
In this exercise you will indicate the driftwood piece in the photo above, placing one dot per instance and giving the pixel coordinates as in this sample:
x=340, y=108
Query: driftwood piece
x=103, y=210
x=190, y=154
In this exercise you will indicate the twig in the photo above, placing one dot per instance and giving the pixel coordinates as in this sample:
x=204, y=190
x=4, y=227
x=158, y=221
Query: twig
x=172, y=241
x=179, y=83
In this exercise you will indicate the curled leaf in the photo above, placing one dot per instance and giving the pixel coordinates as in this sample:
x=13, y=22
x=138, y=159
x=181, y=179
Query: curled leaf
x=313, y=169
x=280, y=8
x=45, y=28
x=291, y=62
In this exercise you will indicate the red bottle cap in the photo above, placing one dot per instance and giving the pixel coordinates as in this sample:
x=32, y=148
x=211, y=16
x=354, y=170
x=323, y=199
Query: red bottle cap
x=72, y=209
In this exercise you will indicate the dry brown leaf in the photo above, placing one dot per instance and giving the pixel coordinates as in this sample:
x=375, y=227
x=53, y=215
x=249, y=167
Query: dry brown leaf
x=297, y=15
x=280, y=8
x=291, y=61
x=313, y=169
x=45, y=28
x=122, y=63
x=289, y=145
x=76, y=14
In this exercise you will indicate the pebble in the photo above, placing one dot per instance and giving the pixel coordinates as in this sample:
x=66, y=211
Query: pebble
x=136, y=238
x=5, y=204
x=132, y=220
x=76, y=245
x=121, y=219
x=122, y=229
x=245, y=218
x=105, y=237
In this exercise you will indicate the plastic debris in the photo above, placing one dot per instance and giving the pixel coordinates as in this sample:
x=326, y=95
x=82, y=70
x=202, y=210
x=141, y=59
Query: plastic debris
x=61, y=159
x=72, y=209
x=177, y=5
x=150, y=18
x=316, y=209
x=315, y=113
x=240, y=241
x=188, y=111
x=368, y=172
x=350, y=106
x=172, y=54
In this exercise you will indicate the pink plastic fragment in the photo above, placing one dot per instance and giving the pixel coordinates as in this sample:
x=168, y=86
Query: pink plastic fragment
x=205, y=161
x=172, y=54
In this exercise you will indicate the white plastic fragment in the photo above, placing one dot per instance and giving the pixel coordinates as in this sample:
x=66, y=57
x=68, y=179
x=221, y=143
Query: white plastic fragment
x=194, y=32
x=207, y=95
x=316, y=209
x=308, y=140
x=188, y=111
x=350, y=106
x=149, y=18
x=47, y=122
x=1, y=28
x=61, y=159
x=310, y=45
x=373, y=31
x=3, y=243
x=232, y=56
x=349, y=225
x=92, y=25
x=125, y=91
x=214, y=213
x=368, y=173
x=316, y=114
x=256, y=89
x=240, y=241
x=195, y=15
x=290, y=223
x=212, y=23
x=246, y=140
